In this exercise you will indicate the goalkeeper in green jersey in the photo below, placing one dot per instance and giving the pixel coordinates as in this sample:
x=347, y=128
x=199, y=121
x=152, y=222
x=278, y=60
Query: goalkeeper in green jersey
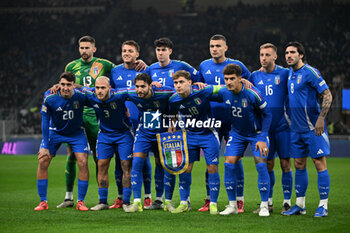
x=86, y=69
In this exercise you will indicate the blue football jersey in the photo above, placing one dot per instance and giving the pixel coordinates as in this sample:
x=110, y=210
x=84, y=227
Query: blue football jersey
x=65, y=116
x=250, y=116
x=111, y=113
x=303, y=87
x=194, y=109
x=152, y=109
x=164, y=75
x=273, y=87
x=122, y=77
x=211, y=73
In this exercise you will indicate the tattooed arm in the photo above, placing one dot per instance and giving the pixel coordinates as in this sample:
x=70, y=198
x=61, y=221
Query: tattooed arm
x=326, y=104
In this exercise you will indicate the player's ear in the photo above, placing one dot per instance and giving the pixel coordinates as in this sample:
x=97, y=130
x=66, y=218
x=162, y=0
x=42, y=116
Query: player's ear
x=94, y=49
x=226, y=48
x=170, y=51
x=74, y=85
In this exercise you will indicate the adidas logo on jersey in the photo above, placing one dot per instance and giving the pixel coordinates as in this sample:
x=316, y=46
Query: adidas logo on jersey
x=228, y=102
x=181, y=188
x=154, y=76
x=182, y=107
x=229, y=188
x=320, y=152
x=214, y=160
x=214, y=189
x=133, y=183
x=139, y=105
x=263, y=189
x=95, y=106
x=208, y=72
x=58, y=109
x=86, y=148
x=261, y=82
x=120, y=78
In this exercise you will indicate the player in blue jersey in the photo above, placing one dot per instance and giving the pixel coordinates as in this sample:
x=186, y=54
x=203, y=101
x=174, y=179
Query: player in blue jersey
x=250, y=123
x=115, y=136
x=193, y=106
x=62, y=122
x=122, y=76
x=152, y=102
x=308, y=128
x=210, y=72
x=162, y=72
x=272, y=84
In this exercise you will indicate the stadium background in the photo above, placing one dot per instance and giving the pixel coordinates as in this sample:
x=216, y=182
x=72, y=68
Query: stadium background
x=39, y=37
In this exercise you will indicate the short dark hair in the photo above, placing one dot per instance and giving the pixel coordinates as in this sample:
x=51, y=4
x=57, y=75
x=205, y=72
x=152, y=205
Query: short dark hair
x=69, y=76
x=232, y=69
x=143, y=77
x=182, y=73
x=269, y=45
x=87, y=38
x=132, y=43
x=218, y=37
x=164, y=42
x=300, y=48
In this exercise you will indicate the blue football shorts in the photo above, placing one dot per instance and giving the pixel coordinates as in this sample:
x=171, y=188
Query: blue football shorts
x=237, y=144
x=279, y=144
x=208, y=141
x=307, y=143
x=110, y=143
x=77, y=142
x=145, y=142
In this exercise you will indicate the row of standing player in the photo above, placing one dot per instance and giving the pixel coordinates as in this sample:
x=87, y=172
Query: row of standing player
x=211, y=71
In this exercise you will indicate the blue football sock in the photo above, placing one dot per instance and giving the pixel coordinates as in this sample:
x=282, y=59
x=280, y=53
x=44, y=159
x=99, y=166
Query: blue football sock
x=169, y=185
x=127, y=195
x=185, y=180
x=323, y=182
x=263, y=181
x=103, y=194
x=82, y=189
x=42, y=189
x=136, y=176
x=301, y=182
x=206, y=182
x=118, y=174
x=147, y=175
x=287, y=184
x=159, y=180
x=214, y=186
x=272, y=182
x=230, y=180
x=240, y=178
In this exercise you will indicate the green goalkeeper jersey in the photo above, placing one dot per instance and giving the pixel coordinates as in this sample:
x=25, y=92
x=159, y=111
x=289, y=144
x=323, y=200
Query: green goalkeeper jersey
x=86, y=73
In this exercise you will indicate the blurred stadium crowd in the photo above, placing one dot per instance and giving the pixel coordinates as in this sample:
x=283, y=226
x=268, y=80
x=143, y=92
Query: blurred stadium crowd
x=39, y=41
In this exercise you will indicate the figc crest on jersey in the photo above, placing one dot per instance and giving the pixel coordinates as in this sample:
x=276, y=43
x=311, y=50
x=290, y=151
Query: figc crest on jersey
x=173, y=151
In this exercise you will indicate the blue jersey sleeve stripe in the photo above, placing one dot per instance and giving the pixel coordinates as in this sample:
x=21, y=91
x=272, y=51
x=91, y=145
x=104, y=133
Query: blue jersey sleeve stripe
x=255, y=93
x=313, y=70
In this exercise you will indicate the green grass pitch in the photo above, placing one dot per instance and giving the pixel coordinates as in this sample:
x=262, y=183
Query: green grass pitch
x=18, y=197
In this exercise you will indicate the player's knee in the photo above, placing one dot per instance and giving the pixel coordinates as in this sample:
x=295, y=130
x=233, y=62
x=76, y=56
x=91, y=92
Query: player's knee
x=212, y=168
x=300, y=164
x=285, y=165
x=44, y=162
x=320, y=163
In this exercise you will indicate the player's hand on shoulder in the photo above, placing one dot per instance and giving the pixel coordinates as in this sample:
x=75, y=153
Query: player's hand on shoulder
x=200, y=85
x=140, y=65
x=54, y=89
x=247, y=83
x=156, y=84
x=263, y=148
